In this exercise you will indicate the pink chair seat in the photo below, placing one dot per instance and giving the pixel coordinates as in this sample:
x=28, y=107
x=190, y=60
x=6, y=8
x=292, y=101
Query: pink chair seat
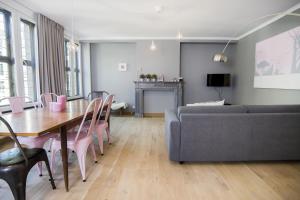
x=35, y=142
x=71, y=138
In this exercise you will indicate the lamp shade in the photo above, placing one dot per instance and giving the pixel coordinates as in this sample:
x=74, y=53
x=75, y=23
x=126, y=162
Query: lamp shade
x=220, y=57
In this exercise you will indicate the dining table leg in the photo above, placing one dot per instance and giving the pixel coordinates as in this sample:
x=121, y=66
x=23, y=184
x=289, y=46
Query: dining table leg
x=64, y=155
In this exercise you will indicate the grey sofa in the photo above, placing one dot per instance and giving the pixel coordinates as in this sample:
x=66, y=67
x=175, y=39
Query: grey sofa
x=233, y=133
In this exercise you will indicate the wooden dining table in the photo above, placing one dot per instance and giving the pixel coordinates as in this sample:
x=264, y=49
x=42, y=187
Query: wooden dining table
x=36, y=122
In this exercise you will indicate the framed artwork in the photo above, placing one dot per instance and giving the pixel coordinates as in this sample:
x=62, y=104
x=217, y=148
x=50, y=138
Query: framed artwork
x=122, y=67
x=277, y=61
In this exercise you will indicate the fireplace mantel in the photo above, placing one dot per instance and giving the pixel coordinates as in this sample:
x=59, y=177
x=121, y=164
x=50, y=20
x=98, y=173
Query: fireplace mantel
x=141, y=86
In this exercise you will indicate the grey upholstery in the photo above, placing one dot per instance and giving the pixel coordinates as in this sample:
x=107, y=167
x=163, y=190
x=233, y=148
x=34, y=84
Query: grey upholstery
x=172, y=134
x=211, y=109
x=273, y=108
x=234, y=135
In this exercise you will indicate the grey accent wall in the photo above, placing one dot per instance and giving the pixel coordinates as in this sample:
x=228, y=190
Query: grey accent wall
x=105, y=57
x=165, y=60
x=196, y=63
x=244, y=92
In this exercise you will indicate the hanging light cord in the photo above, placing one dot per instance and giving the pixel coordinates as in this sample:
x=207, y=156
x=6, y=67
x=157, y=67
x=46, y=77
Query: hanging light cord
x=72, y=28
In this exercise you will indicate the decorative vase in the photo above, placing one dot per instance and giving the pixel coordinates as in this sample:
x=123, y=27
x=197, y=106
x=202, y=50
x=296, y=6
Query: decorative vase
x=62, y=99
x=56, y=107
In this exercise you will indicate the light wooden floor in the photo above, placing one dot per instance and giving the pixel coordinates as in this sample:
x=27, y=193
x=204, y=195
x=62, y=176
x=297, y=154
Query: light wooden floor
x=136, y=166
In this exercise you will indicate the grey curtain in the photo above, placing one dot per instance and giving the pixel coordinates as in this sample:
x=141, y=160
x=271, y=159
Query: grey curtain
x=51, y=56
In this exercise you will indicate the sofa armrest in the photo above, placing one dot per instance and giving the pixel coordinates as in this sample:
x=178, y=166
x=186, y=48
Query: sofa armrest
x=172, y=134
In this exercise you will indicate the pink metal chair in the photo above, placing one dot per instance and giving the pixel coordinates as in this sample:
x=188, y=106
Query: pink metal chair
x=46, y=98
x=80, y=141
x=17, y=105
x=103, y=124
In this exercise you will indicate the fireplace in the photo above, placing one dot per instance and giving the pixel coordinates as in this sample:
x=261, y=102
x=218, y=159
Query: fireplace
x=140, y=87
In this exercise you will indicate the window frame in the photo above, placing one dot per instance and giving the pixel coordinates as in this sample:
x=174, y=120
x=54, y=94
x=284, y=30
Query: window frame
x=16, y=79
x=32, y=62
x=73, y=66
x=9, y=60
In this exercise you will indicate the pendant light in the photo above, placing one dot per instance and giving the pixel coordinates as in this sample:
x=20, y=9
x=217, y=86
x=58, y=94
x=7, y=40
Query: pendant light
x=179, y=36
x=153, y=46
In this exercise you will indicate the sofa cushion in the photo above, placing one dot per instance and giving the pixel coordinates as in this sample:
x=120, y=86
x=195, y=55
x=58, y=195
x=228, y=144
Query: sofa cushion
x=273, y=108
x=212, y=109
x=208, y=103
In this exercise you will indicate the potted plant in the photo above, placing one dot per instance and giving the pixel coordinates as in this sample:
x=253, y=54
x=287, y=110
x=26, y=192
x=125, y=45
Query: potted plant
x=154, y=77
x=142, y=77
x=148, y=77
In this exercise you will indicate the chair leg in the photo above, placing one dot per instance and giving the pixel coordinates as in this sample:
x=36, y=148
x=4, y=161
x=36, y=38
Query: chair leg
x=45, y=158
x=50, y=144
x=81, y=155
x=108, y=134
x=100, y=139
x=93, y=152
x=40, y=167
x=17, y=184
x=52, y=161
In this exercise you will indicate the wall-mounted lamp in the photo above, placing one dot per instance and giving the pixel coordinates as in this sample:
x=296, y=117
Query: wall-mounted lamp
x=221, y=57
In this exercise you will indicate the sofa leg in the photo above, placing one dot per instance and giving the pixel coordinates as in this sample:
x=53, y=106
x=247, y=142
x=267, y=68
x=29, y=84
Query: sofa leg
x=181, y=162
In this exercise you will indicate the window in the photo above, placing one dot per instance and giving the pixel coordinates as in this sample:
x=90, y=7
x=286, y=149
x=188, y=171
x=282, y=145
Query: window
x=27, y=43
x=77, y=72
x=73, y=72
x=6, y=78
x=68, y=67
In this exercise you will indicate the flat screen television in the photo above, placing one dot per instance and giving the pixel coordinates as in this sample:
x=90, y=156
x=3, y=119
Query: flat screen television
x=218, y=80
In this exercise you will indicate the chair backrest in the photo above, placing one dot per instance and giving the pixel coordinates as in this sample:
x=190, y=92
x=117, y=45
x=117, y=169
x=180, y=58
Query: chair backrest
x=47, y=97
x=96, y=105
x=17, y=103
x=107, y=103
x=98, y=94
x=14, y=137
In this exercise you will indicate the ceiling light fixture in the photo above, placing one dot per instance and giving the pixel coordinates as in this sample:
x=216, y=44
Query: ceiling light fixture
x=158, y=8
x=152, y=46
x=221, y=57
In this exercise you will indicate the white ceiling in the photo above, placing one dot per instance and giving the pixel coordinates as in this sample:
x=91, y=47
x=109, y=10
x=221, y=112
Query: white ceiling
x=108, y=19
